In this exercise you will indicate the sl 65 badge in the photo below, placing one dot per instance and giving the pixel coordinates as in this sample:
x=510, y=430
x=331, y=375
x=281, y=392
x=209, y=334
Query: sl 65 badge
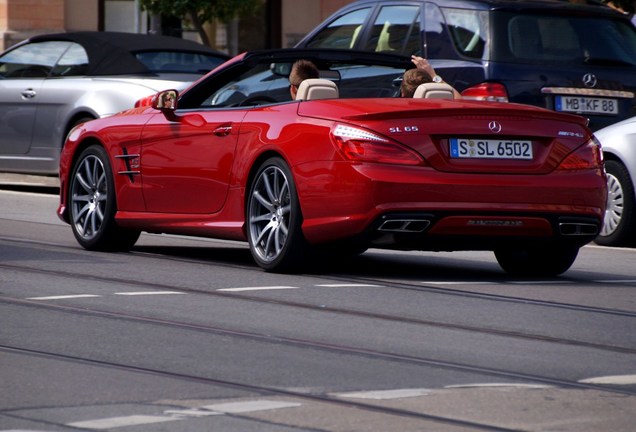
x=403, y=129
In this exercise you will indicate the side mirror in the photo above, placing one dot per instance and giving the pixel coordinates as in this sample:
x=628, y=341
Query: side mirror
x=165, y=100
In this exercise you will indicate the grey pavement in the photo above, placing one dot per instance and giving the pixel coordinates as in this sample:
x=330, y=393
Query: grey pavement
x=27, y=180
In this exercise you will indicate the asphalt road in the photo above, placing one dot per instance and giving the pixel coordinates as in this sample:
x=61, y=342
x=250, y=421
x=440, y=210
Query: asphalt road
x=189, y=335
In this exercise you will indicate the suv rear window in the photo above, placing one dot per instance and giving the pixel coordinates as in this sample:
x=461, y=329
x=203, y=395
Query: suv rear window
x=563, y=40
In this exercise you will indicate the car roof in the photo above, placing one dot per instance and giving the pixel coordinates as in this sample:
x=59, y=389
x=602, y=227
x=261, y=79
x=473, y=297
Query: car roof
x=590, y=6
x=112, y=53
x=328, y=56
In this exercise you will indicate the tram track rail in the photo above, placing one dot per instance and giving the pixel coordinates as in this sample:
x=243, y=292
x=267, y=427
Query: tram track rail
x=243, y=296
x=147, y=252
x=336, y=277
x=315, y=344
x=322, y=398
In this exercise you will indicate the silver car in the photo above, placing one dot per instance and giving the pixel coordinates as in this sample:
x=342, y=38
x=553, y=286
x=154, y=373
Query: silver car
x=50, y=83
x=619, y=148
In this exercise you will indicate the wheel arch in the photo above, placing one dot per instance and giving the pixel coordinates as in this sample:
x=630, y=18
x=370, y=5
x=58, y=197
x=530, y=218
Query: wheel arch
x=74, y=120
x=256, y=164
x=64, y=188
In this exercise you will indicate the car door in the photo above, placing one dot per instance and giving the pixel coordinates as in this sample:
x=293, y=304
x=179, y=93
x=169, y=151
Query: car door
x=186, y=164
x=386, y=27
x=17, y=114
x=22, y=72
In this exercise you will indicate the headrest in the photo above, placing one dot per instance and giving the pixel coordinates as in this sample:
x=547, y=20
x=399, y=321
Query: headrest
x=317, y=88
x=434, y=91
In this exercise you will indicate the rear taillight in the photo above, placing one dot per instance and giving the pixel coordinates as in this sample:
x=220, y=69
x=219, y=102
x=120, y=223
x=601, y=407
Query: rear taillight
x=487, y=91
x=588, y=156
x=361, y=145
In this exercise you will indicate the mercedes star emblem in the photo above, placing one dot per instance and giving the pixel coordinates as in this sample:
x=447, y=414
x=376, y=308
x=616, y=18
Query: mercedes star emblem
x=589, y=80
x=494, y=127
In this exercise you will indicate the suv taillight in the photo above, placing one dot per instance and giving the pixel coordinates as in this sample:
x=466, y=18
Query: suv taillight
x=487, y=91
x=147, y=101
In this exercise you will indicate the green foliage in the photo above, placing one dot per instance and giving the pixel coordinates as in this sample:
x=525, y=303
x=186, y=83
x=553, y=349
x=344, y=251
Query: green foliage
x=200, y=10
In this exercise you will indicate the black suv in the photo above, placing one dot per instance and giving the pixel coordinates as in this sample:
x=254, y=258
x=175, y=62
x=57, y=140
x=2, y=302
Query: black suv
x=572, y=57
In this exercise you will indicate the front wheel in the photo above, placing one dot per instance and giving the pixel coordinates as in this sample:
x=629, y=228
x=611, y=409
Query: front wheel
x=274, y=219
x=618, y=226
x=550, y=260
x=92, y=204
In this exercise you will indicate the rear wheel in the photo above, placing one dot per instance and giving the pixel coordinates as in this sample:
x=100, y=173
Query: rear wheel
x=92, y=204
x=551, y=260
x=274, y=219
x=618, y=226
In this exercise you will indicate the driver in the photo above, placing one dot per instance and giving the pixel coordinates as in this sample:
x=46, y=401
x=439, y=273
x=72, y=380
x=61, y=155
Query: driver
x=300, y=71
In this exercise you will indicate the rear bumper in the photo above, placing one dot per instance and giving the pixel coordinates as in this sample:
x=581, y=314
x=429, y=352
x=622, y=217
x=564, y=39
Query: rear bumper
x=449, y=232
x=420, y=208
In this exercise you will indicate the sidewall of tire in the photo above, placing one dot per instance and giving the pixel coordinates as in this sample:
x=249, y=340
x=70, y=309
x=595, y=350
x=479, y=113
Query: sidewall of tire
x=625, y=233
x=105, y=239
x=294, y=251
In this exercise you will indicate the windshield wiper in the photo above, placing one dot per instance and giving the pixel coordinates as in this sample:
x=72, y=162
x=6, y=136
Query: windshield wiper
x=606, y=62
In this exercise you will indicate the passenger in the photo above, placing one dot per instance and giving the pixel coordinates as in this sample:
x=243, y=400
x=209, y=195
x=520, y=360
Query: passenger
x=301, y=70
x=167, y=100
x=423, y=65
x=411, y=80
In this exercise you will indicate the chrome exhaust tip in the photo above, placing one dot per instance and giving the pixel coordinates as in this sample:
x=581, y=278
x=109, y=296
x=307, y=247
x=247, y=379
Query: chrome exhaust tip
x=404, y=225
x=578, y=229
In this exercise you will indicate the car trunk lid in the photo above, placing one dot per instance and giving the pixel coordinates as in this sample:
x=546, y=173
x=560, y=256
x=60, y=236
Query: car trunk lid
x=499, y=138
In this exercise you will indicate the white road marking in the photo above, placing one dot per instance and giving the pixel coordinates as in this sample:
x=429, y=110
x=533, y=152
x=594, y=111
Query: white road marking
x=115, y=422
x=494, y=385
x=455, y=283
x=249, y=406
x=63, y=297
x=191, y=413
x=386, y=394
x=172, y=415
x=261, y=288
x=343, y=285
x=142, y=293
x=611, y=379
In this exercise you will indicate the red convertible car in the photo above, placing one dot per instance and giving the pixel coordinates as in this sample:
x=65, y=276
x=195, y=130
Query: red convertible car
x=342, y=168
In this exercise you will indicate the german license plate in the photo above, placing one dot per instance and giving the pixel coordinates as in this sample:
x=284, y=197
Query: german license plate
x=586, y=105
x=490, y=148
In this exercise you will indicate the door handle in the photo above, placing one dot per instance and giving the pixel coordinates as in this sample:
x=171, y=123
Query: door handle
x=29, y=94
x=223, y=130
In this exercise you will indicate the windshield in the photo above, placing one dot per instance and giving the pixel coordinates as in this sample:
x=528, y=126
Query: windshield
x=178, y=61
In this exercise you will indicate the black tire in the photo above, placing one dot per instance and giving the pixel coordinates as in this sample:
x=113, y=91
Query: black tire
x=274, y=219
x=549, y=260
x=619, y=226
x=92, y=204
